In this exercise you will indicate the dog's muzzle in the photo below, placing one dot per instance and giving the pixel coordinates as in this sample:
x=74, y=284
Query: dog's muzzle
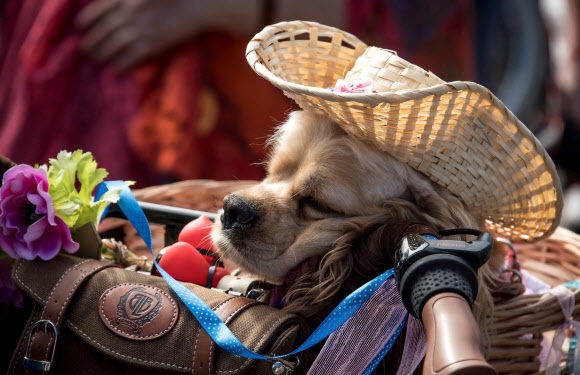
x=238, y=213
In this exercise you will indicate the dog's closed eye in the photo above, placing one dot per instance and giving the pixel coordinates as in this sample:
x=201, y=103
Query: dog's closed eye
x=311, y=209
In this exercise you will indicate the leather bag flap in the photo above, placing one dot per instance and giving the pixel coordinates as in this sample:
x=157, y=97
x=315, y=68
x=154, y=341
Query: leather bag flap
x=140, y=299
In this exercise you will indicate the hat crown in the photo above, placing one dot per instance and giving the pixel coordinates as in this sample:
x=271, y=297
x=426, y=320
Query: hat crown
x=389, y=72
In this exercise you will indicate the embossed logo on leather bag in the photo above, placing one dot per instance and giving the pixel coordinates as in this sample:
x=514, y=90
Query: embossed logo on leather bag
x=137, y=311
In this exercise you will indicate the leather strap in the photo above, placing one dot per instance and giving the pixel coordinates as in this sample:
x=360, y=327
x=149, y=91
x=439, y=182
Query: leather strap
x=44, y=332
x=204, y=347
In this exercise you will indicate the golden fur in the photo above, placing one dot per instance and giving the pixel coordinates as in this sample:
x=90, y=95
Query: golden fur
x=331, y=197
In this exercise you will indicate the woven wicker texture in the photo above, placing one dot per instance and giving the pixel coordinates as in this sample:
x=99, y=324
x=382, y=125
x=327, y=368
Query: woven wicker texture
x=519, y=324
x=458, y=134
x=201, y=195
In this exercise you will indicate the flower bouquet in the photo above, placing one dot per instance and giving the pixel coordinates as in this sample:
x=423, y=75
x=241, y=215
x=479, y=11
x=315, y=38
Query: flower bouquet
x=43, y=208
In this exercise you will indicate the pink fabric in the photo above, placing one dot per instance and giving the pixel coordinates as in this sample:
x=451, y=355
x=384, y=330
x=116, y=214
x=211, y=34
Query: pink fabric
x=567, y=301
x=362, y=86
x=354, y=346
x=415, y=346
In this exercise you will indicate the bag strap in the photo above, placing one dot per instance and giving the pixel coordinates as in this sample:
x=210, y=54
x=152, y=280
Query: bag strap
x=204, y=347
x=44, y=332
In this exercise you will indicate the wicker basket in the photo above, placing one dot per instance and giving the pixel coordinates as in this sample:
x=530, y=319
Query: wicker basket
x=201, y=195
x=519, y=324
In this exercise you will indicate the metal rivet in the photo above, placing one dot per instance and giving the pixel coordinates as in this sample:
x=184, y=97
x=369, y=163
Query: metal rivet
x=278, y=368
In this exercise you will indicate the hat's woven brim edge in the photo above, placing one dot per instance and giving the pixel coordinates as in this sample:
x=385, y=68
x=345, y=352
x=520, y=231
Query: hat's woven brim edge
x=293, y=90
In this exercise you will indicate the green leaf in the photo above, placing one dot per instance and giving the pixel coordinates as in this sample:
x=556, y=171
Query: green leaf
x=89, y=176
x=69, y=171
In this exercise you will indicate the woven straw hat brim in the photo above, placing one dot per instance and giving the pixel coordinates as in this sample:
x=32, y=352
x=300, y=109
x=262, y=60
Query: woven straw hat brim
x=458, y=133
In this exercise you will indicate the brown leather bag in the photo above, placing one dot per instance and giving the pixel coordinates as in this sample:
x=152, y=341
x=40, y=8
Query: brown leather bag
x=114, y=321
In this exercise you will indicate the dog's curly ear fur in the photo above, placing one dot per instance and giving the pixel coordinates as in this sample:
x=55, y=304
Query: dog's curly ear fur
x=366, y=247
x=445, y=208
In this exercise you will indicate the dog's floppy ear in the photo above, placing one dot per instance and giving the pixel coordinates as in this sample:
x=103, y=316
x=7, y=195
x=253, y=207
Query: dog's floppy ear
x=439, y=203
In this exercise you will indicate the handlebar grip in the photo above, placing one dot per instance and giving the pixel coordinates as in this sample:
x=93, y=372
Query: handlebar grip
x=453, y=342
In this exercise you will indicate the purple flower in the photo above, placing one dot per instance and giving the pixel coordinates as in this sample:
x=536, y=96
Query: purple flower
x=29, y=226
x=8, y=292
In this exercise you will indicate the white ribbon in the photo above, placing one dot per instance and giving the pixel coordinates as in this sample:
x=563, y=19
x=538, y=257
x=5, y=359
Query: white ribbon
x=566, y=299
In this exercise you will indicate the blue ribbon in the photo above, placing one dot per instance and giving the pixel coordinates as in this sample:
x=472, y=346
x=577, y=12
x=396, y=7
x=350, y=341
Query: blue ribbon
x=209, y=320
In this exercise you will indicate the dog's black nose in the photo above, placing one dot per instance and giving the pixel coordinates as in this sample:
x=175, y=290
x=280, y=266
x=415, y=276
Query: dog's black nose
x=238, y=213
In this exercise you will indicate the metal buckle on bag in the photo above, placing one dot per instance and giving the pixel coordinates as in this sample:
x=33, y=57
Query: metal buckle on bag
x=282, y=367
x=36, y=365
x=278, y=368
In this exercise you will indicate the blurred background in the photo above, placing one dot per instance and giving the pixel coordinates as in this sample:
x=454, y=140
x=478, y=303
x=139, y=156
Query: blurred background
x=159, y=90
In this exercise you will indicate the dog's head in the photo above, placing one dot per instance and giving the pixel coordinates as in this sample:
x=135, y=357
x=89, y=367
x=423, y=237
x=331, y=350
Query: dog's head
x=324, y=191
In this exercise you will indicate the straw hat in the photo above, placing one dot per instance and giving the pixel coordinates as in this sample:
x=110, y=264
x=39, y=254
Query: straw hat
x=458, y=134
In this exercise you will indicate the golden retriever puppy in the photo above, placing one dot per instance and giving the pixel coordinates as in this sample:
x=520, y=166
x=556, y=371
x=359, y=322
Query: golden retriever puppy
x=321, y=219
